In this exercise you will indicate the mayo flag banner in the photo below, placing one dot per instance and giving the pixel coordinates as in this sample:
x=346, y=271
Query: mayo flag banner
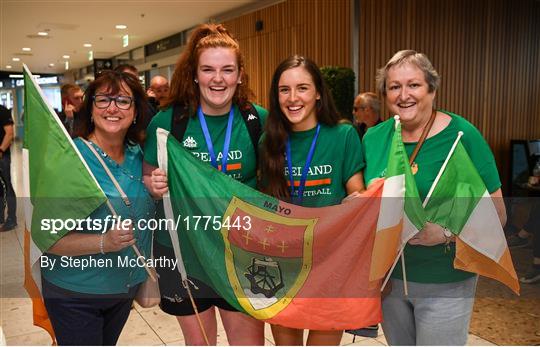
x=461, y=203
x=57, y=184
x=285, y=264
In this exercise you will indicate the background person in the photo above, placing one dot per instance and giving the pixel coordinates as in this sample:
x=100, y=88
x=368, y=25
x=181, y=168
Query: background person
x=91, y=307
x=159, y=89
x=209, y=86
x=302, y=120
x=72, y=100
x=6, y=188
x=366, y=112
x=438, y=308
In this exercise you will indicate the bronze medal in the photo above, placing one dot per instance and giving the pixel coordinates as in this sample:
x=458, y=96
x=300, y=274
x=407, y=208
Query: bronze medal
x=414, y=168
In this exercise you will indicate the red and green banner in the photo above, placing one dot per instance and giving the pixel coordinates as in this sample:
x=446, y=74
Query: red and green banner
x=289, y=265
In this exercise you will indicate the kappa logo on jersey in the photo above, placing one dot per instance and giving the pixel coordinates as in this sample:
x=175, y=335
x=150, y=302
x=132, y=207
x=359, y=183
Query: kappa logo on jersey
x=190, y=142
x=251, y=116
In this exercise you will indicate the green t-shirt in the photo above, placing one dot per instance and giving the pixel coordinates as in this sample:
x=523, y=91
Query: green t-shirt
x=241, y=163
x=337, y=157
x=431, y=264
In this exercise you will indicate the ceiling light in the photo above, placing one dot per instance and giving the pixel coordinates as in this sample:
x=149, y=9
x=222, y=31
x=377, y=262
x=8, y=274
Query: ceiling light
x=51, y=65
x=87, y=45
x=27, y=49
x=16, y=76
x=65, y=56
x=16, y=59
x=121, y=26
x=43, y=33
x=8, y=66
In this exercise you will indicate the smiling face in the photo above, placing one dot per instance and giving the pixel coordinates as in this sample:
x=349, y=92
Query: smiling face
x=407, y=94
x=113, y=120
x=218, y=76
x=298, y=97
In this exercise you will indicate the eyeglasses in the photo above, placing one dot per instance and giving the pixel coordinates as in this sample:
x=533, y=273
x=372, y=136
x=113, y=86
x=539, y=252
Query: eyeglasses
x=104, y=101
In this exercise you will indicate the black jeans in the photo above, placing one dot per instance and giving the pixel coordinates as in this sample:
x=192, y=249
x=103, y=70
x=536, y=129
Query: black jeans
x=86, y=319
x=7, y=190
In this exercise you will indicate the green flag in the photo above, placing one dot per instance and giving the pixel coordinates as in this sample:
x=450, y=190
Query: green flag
x=58, y=186
x=461, y=202
x=61, y=185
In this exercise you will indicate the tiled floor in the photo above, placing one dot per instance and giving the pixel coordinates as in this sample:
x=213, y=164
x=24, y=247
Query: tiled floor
x=144, y=327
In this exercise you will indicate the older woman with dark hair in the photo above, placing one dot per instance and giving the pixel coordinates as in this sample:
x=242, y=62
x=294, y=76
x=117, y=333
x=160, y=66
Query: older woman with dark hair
x=90, y=306
x=438, y=307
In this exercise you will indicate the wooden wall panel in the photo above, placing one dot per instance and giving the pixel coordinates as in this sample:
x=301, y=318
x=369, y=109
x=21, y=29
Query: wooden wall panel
x=318, y=29
x=486, y=51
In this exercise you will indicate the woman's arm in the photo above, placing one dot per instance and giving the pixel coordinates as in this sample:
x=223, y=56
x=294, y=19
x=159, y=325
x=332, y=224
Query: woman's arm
x=355, y=183
x=354, y=186
x=73, y=244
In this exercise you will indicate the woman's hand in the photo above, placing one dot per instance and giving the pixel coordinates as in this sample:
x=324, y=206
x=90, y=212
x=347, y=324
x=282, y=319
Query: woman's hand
x=118, y=238
x=351, y=196
x=430, y=235
x=158, y=183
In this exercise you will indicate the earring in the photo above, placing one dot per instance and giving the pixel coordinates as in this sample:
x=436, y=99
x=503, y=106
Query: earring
x=135, y=120
x=92, y=119
x=239, y=82
x=196, y=80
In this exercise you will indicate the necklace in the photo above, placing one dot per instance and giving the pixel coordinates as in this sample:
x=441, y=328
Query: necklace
x=95, y=140
x=427, y=128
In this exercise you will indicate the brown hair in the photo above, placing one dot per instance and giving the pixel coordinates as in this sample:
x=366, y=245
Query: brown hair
x=183, y=90
x=113, y=80
x=277, y=126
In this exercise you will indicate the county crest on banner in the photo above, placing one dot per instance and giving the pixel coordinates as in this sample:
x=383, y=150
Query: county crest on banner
x=268, y=262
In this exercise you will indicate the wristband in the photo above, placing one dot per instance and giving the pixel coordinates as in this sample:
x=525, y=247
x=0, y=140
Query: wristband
x=101, y=243
x=448, y=235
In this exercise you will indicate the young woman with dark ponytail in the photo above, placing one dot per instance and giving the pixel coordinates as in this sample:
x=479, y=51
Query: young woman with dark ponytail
x=307, y=157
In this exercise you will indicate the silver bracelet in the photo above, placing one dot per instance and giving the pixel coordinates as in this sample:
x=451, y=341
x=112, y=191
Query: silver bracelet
x=101, y=242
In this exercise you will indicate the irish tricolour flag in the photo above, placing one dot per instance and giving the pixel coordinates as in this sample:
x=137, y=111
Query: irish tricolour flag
x=401, y=214
x=460, y=202
x=57, y=185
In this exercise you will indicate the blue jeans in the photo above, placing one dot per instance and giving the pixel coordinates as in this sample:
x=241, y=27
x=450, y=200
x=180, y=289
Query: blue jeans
x=432, y=313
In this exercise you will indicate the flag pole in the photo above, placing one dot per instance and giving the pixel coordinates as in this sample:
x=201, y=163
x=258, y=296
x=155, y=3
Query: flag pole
x=392, y=268
x=162, y=136
x=396, y=124
x=443, y=167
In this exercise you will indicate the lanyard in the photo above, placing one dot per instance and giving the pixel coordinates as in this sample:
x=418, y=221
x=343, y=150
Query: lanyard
x=209, y=143
x=298, y=195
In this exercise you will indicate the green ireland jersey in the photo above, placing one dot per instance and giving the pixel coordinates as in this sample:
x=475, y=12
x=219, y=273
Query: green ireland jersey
x=337, y=157
x=241, y=162
x=431, y=264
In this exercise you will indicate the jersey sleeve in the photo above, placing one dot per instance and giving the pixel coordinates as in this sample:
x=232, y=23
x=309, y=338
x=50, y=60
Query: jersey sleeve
x=161, y=120
x=481, y=156
x=353, y=157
